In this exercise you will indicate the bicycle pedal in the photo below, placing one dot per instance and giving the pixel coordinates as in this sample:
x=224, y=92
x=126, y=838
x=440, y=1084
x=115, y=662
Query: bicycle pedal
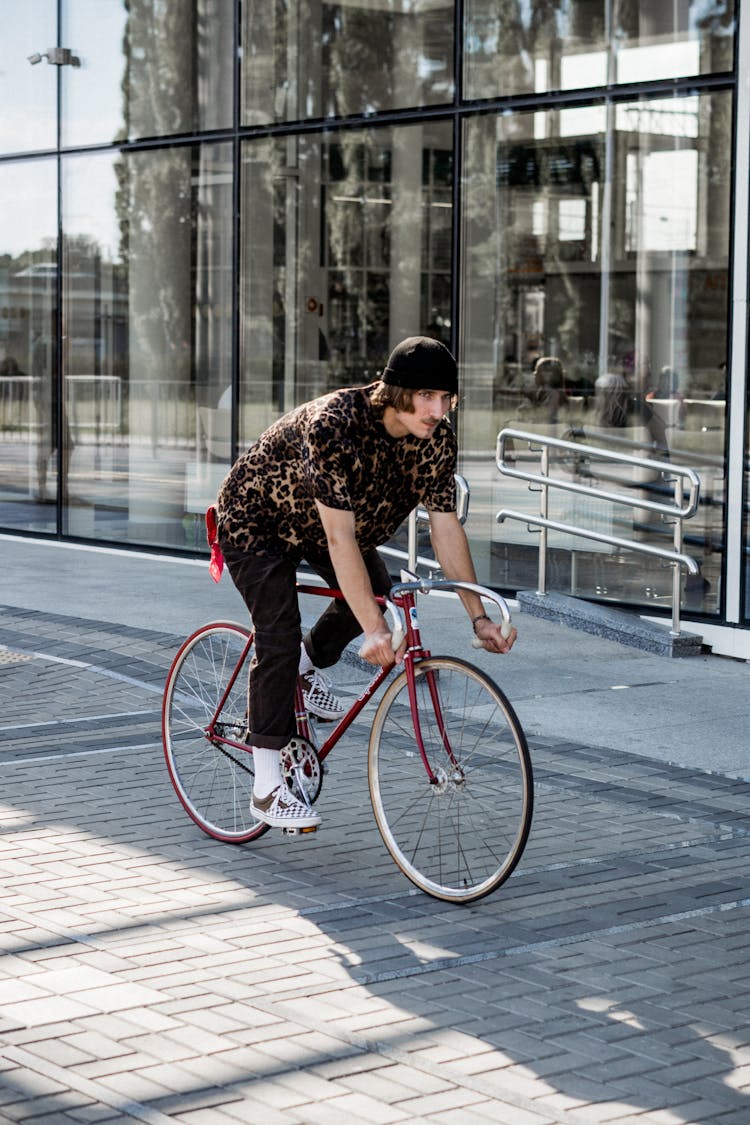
x=299, y=831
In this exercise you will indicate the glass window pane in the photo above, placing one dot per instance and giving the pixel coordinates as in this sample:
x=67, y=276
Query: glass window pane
x=344, y=253
x=146, y=70
x=28, y=93
x=598, y=242
x=306, y=60
x=745, y=568
x=513, y=48
x=147, y=322
x=28, y=368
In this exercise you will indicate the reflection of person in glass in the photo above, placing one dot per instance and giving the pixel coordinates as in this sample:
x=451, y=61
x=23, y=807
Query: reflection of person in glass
x=549, y=391
x=620, y=402
x=669, y=386
x=14, y=391
x=611, y=395
x=9, y=368
x=330, y=482
x=45, y=391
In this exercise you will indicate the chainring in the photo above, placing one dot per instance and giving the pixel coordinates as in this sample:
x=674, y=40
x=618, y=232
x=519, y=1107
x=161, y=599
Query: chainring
x=300, y=765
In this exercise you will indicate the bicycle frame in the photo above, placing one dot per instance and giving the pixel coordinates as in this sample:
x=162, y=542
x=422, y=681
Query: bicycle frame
x=402, y=596
x=415, y=652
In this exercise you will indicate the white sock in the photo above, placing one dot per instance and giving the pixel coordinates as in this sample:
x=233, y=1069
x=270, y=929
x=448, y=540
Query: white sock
x=267, y=764
x=305, y=663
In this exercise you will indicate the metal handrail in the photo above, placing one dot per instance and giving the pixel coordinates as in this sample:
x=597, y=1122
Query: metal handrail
x=679, y=511
x=421, y=515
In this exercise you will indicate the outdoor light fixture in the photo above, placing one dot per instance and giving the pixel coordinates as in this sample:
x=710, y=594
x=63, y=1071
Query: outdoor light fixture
x=57, y=56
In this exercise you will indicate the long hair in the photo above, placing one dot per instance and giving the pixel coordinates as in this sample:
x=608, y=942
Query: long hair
x=400, y=398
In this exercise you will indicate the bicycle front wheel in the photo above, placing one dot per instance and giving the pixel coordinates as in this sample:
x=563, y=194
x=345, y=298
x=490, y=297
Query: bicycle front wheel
x=213, y=781
x=458, y=830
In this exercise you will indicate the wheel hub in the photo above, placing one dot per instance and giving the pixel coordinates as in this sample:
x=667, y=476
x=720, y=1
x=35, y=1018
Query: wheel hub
x=447, y=780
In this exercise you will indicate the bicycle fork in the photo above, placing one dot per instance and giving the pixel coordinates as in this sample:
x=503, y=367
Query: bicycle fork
x=433, y=777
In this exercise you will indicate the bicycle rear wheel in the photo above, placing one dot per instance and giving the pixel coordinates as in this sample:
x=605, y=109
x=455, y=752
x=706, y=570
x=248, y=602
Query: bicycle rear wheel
x=459, y=836
x=213, y=781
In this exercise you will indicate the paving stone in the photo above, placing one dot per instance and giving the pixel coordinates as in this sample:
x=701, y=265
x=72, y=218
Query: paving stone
x=606, y=979
x=457, y=1099
x=91, y=1114
x=269, y=1092
x=501, y=1113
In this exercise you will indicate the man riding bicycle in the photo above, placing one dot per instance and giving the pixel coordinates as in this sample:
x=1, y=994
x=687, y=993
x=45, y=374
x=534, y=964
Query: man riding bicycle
x=330, y=482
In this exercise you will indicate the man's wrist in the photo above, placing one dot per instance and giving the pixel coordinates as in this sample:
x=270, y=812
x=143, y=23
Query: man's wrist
x=479, y=617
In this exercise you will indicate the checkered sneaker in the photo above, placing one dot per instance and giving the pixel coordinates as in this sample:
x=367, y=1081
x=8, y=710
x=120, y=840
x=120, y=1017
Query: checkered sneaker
x=281, y=809
x=319, y=699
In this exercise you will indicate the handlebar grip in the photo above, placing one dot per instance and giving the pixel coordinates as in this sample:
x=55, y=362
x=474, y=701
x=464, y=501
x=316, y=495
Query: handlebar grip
x=397, y=631
x=397, y=637
x=505, y=629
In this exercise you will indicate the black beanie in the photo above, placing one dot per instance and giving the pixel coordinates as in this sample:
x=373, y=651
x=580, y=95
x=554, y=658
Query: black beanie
x=421, y=364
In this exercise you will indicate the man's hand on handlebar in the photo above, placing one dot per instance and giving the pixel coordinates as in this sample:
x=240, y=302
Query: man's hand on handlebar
x=490, y=634
x=377, y=647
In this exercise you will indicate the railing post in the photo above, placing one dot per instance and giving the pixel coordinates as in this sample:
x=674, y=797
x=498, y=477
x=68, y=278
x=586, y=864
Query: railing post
x=412, y=542
x=544, y=513
x=676, y=571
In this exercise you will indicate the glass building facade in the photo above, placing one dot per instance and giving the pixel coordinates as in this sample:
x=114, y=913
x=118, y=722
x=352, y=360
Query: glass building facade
x=211, y=211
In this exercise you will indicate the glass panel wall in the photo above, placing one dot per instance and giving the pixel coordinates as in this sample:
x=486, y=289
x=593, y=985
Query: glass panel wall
x=316, y=58
x=28, y=93
x=595, y=235
x=598, y=238
x=147, y=317
x=524, y=48
x=28, y=368
x=745, y=566
x=346, y=249
x=146, y=69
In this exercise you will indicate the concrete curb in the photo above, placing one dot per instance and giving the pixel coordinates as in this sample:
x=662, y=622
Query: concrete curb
x=615, y=625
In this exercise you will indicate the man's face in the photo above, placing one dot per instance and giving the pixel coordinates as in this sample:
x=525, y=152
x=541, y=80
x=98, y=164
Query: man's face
x=428, y=408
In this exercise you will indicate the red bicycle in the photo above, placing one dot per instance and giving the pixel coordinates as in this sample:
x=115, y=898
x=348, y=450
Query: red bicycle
x=449, y=771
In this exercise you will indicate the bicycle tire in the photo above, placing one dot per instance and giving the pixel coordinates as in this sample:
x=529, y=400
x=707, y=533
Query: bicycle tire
x=459, y=838
x=213, y=782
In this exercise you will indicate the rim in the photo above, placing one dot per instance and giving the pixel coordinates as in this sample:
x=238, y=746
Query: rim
x=461, y=837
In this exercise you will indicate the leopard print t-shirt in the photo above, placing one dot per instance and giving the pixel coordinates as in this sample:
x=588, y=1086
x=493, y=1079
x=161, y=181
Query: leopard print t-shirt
x=335, y=450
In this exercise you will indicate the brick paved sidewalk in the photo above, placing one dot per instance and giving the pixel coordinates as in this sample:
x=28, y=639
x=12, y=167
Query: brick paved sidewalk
x=148, y=973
